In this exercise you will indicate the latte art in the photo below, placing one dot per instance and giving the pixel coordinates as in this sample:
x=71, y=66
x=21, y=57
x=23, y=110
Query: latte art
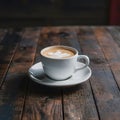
x=58, y=52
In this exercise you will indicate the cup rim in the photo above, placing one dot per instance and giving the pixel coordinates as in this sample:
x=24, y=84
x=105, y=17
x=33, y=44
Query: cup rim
x=68, y=47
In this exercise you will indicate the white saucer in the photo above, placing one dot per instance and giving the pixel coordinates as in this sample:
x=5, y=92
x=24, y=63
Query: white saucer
x=37, y=74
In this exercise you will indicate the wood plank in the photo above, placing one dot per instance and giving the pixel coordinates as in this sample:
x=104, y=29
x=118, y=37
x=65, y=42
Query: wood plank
x=115, y=33
x=105, y=89
x=104, y=38
x=44, y=102
x=78, y=100
x=67, y=36
x=8, y=44
x=111, y=50
x=13, y=91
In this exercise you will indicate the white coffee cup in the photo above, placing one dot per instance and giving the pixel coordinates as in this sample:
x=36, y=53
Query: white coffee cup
x=59, y=62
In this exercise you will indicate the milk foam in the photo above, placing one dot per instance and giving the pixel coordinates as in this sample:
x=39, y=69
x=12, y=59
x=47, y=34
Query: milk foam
x=58, y=54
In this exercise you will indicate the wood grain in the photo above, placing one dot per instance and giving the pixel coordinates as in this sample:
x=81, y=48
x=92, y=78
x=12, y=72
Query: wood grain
x=96, y=99
x=115, y=66
x=44, y=103
x=8, y=44
x=78, y=101
x=13, y=91
x=106, y=92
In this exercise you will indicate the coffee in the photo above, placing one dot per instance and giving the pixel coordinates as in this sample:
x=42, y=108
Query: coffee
x=58, y=52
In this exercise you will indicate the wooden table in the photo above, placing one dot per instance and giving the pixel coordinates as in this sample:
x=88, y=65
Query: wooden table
x=96, y=99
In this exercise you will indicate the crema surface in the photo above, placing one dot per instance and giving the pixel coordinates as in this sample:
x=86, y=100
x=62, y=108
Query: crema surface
x=58, y=52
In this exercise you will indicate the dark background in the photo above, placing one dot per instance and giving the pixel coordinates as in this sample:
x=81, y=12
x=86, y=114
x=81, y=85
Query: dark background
x=15, y=13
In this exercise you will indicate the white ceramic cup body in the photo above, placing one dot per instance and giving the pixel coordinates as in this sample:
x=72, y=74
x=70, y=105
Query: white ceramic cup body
x=63, y=68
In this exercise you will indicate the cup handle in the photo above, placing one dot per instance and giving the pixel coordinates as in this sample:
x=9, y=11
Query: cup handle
x=85, y=58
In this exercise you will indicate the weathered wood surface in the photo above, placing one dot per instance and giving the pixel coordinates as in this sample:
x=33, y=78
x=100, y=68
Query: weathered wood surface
x=13, y=91
x=96, y=99
x=7, y=50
